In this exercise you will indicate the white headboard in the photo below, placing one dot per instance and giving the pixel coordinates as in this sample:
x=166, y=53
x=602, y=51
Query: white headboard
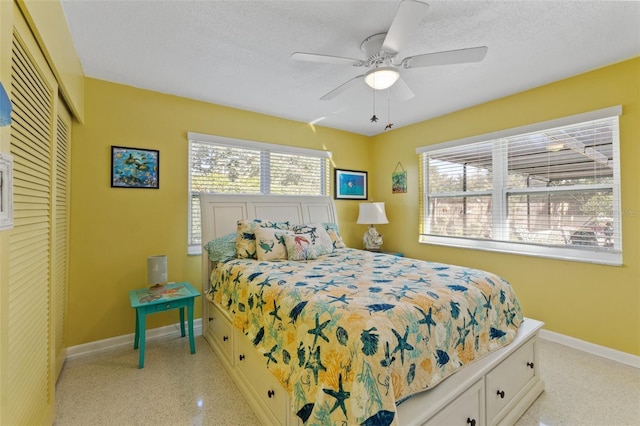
x=221, y=212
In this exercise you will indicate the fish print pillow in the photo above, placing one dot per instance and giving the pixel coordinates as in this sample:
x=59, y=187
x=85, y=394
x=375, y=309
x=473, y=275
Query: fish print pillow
x=300, y=247
x=317, y=235
x=270, y=245
x=334, y=234
x=246, y=239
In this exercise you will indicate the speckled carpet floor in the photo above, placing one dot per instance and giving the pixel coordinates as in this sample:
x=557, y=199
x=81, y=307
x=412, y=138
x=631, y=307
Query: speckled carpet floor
x=177, y=388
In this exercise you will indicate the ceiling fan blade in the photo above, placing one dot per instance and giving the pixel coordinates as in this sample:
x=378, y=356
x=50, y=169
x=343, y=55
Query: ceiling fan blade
x=326, y=59
x=404, y=25
x=401, y=90
x=342, y=88
x=448, y=57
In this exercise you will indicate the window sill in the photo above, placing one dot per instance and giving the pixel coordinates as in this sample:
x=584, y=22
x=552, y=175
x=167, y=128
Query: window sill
x=559, y=253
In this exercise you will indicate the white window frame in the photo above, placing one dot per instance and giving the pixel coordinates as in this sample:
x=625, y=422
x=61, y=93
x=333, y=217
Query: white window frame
x=265, y=150
x=499, y=197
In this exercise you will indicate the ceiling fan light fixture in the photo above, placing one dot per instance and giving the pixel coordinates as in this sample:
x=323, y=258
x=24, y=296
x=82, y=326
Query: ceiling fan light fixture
x=381, y=78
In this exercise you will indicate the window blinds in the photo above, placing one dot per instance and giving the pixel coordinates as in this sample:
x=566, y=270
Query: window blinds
x=225, y=165
x=552, y=187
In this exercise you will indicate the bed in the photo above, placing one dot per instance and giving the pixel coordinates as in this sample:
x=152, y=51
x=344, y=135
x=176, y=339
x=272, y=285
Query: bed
x=354, y=337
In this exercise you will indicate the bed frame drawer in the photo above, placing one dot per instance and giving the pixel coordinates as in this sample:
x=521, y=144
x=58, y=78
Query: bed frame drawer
x=250, y=364
x=466, y=409
x=507, y=379
x=220, y=332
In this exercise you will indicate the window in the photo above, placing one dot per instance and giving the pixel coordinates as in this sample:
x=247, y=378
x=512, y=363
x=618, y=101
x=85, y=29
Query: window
x=550, y=189
x=233, y=166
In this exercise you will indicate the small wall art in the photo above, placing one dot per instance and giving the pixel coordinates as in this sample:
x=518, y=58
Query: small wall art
x=6, y=191
x=350, y=185
x=135, y=168
x=399, y=180
x=5, y=107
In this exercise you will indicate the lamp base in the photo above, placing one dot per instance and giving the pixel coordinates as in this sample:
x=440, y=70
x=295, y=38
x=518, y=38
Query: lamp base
x=372, y=239
x=158, y=288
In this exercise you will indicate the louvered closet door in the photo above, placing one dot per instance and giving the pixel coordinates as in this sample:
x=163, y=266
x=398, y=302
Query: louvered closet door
x=31, y=377
x=60, y=234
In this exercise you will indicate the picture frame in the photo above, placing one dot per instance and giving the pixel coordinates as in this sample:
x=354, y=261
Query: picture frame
x=6, y=191
x=399, y=180
x=135, y=168
x=350, y=185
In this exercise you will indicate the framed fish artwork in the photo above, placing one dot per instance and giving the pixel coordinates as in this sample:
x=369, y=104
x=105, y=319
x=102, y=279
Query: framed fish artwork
x=135, y=168
x=350, y=185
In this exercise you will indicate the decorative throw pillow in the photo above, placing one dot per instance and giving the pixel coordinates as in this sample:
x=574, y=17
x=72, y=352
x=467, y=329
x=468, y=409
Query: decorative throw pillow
x=318, y=236
x=270, y=244
x=246, y=240
x=334, y=234
x=222, y=249
x=300, y=247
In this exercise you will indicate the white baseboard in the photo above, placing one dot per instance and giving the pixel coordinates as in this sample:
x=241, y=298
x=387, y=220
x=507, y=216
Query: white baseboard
x=127, y=339
x=601, y=351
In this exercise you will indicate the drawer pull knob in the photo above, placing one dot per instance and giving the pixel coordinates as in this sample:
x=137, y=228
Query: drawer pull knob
x=500, y=394
x=270, y=393
x=241, y=357
x=210, y=318
x=530, y=364
x=471, y=421
x=225, y=338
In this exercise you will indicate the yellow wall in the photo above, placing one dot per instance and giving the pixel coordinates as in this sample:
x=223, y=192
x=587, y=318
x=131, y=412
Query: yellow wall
x=595, y=303
x=113, y=230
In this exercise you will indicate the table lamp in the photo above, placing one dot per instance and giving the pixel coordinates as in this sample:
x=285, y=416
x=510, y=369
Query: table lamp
x=372, y=214
x=157, y=273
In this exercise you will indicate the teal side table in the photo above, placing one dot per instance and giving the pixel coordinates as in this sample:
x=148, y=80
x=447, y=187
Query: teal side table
x=176, y=296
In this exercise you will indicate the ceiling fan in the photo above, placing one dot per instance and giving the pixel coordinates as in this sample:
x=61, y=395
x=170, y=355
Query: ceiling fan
x=381, y=51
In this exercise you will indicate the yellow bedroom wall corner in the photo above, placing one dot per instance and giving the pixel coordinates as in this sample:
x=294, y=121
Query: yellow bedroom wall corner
x=595, y=303
x=113, y=230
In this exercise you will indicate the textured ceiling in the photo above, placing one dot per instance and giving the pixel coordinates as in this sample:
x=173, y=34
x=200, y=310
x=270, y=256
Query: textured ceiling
x=236, y=53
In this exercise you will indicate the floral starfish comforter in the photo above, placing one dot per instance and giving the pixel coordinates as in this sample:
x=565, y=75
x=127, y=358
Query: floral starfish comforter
x=353, y=333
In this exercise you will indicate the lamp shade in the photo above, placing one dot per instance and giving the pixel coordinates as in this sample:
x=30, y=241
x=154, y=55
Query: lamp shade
x=381, y=78
x=157, y=269
x=372, y=214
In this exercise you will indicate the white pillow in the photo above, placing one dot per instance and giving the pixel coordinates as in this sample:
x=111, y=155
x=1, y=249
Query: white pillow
x=318, y=237
x=300, y=247
x=270, y=244
x=334, y=234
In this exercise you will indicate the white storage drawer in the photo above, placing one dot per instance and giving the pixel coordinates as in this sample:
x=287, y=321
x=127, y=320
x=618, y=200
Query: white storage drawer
x=466, y=410
x=252, y=366
x=220, y=332
x=508, y=378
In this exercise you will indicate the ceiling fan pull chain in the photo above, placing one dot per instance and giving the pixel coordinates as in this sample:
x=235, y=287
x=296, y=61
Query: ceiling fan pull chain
x=389, y=123
x=373, y=118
